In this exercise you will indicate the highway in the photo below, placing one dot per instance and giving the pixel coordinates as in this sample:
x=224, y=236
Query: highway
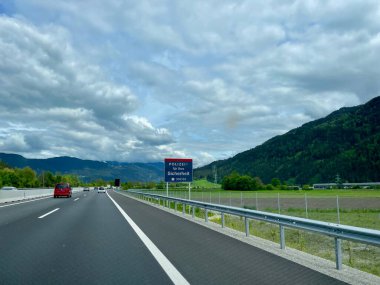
x=108, y=238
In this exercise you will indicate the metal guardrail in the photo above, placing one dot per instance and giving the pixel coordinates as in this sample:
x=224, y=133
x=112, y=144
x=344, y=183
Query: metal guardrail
x=337, y=231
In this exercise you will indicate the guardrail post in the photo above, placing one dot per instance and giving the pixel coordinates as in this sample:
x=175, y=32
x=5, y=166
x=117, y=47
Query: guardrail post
x=282, y=237
x=193, y=210
x=338, y=253
x=223, y=221
x=246, y=226
x=206, y=215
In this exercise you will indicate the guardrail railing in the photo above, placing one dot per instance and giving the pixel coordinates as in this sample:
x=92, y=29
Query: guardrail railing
x=337, y=231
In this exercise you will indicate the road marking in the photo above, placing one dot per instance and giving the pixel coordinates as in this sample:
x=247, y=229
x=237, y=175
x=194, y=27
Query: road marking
x=76, y=199
x=24, y=202
x=166, y=265
x=51, y=212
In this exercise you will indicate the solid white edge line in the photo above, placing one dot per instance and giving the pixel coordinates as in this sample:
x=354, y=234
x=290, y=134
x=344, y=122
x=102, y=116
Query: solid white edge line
x=51, y=212
x=166, y=265
x=76, y=199
x=13, y=204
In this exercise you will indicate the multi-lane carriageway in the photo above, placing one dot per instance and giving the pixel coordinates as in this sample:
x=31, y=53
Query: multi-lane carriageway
x=96, y=238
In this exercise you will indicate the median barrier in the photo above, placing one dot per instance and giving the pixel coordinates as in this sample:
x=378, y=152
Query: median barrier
x=25, y=194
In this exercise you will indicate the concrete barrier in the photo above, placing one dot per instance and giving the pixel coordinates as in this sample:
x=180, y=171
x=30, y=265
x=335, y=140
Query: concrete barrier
x=24, y=194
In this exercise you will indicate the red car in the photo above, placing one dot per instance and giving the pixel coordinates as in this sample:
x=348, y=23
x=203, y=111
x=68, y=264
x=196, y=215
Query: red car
x=62, y=189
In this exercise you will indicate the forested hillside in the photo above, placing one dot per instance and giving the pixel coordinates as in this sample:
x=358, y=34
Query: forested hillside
x=346, y=142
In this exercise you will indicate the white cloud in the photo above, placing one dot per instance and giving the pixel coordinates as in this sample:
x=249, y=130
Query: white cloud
x=205, y=79
x=71, y=104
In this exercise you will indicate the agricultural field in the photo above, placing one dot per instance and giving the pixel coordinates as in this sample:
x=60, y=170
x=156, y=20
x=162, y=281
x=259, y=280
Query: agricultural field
x=359, y=208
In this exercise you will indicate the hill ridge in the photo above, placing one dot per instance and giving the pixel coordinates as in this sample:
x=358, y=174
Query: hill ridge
x=345, y=142
x=89, y=169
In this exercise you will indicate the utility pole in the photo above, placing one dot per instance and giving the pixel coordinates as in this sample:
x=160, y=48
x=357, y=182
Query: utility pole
x=338, y=181
x=215, y=171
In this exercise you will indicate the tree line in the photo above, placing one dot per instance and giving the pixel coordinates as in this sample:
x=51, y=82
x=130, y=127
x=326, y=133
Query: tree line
x=235, y=181
x=28, y=178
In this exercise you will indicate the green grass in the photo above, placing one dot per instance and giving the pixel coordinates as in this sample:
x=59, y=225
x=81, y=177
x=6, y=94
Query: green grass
x=301, y=193
x=203, y=183
x=364, y=218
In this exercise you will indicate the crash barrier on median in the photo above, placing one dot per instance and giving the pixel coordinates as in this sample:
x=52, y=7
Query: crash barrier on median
x=24, y=194
x=336, y=231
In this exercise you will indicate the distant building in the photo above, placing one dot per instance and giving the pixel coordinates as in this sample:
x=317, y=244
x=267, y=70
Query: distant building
x=345, y=185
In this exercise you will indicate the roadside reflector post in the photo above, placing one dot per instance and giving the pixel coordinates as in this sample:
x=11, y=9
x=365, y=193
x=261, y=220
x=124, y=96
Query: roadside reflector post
x=246, y=226
x=175, y=206
x=183, y=209
x=206, y=215
x=338, y=253
x=282, y=237
x=222, y=214
x=193, y=210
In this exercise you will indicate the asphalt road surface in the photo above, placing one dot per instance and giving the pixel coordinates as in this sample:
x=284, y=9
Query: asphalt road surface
x=87, y=239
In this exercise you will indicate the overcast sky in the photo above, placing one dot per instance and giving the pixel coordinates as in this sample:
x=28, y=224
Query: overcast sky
x=143, y=80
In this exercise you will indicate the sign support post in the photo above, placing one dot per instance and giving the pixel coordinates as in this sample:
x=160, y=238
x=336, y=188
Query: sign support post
x=189, y=191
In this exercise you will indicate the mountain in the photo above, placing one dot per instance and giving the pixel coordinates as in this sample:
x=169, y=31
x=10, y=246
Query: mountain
x=346, y=142
x=89, y=169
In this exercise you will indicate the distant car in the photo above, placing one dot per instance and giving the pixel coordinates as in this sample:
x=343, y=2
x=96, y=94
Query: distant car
x=86, y=189
x=101, y=190
x=62, y=189
x=96, y=188
x=9, y=188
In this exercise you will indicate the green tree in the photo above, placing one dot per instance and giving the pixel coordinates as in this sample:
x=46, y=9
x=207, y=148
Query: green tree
x=269, y=187
x=27, y=177
x=9, y=177
x=276, y=182
x=230, y=181
x=234, y=181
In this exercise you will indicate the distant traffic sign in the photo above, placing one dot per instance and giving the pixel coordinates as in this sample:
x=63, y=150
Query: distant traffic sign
x=178, y=170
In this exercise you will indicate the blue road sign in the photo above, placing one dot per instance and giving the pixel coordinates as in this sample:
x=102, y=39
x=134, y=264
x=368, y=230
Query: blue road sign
x=178, y=170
